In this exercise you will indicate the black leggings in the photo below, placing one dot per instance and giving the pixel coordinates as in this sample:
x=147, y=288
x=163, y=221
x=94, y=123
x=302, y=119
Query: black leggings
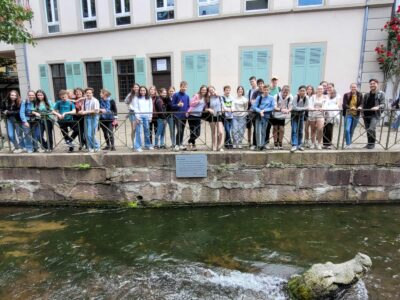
x=107, y=127
x=195, y=127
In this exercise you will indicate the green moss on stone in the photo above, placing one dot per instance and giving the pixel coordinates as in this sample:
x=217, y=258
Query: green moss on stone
x=298, y=291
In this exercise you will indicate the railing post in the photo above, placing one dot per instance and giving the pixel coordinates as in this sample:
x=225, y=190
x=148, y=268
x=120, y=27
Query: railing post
x=389, y=129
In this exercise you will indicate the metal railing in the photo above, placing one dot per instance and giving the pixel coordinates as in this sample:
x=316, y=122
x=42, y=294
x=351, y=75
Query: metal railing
x=49, y=134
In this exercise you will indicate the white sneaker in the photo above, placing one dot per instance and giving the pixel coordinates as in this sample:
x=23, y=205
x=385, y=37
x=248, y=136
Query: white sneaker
x=276, y=148
x=91, y=150
x=17, y=151
x=319, y=147
x=280, y=148
x=221, y=150
x=234, y=147
x=151, y=148
x=301, y=148
x=267, y=147
x=40, y=150
x=139, y=150
x=307, y=143
x=182, y=148
x=312, y=146
x=240, y=147
x=253, y=147
x=294, y=149
x=176, y=148
x=348, y=147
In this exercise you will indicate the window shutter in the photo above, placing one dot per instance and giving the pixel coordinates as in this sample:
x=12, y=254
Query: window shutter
x=44, y=78
x=107, y=71
x=140, y=71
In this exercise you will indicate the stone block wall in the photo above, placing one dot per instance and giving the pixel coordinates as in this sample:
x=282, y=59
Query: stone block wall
x=233, y=178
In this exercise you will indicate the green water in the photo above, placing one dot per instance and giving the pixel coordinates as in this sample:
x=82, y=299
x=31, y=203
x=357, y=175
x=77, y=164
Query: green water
x=202, y=253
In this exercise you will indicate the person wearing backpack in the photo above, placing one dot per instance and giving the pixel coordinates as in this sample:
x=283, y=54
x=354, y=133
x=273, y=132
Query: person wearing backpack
x=263, y=107
x=283, y=107
x=228, y=118
x=299, y=107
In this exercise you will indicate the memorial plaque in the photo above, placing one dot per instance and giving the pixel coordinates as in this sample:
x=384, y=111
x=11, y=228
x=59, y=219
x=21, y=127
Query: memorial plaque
x=191, y=165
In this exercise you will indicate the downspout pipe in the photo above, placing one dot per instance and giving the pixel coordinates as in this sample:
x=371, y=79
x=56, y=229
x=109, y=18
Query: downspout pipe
x=363, y=42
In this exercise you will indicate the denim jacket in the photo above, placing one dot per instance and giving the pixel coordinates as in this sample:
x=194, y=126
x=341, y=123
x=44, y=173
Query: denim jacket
x=26, y=111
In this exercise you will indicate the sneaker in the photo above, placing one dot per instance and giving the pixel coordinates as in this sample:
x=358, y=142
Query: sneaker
x=319, y=147
x=91, y=150
x=329, y=148
x=348, y=147
x=71, y=149
x=176, y=148
x=151, y=148
x=221, y=150
x=194, y=148
x=240, y=147
x=156, y=147
x=17, y=151
x=253, y=147
x=294, y=149
x=182, y=148
x=301, y=148
x=267, y=147
x=280, y=148
x=139, y=150
x=234, y=147
x=106, y=148
x=29, y=151
x=163, y=147
x=276, y=148
x=371, y=146
x=40, y=150
x=307, y=143
x=113, y=148
x=312, y=146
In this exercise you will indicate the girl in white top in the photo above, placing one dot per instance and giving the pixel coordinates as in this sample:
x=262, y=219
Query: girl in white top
x=239, y=109
x=316, y=117
x=130, y=101
x=144, y=112
x=331, y=107
x=307, y=128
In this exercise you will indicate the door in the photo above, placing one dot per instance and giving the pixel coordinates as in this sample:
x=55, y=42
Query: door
x=161, y=72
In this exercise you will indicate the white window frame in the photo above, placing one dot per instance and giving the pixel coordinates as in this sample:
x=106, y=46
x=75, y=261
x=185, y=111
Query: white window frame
x=311, y=5
x=90, y=17
x=123, y=13
x=53, y=16
x=163, y=9
x=208, y=3
x=255, y=10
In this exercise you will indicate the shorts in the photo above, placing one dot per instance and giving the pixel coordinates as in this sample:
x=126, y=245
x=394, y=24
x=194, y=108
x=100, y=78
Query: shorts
x=132, y=116
x=215, y=119
x=277, y=122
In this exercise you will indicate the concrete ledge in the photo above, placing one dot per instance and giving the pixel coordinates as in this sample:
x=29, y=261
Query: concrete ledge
x=148, y=179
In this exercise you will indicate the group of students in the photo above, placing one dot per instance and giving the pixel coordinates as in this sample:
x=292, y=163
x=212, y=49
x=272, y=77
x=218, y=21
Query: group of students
x=30, y=123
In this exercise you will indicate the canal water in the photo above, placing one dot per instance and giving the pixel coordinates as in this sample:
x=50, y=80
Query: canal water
x=191, y=253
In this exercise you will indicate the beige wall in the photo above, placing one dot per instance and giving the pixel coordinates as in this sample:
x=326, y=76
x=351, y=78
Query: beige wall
x=223, y=39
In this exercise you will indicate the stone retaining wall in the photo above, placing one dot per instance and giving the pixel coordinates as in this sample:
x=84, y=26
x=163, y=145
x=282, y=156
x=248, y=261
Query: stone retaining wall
x=233, y=178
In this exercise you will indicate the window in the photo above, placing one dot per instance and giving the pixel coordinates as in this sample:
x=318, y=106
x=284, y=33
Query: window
x=94, y=77
x=89, y=14
x=52, y=16
x=164, y=10
x=208, y=7
x=122, y=12
x=126, y=77
x=256, y=5
x=58, y=76
x=310, y=2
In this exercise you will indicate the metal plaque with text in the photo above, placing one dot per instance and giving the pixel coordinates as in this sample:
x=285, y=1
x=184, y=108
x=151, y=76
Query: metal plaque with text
x=191, y=165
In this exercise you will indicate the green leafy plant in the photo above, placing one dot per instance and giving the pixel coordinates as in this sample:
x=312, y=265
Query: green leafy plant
x=84, y=166
x=12, y=22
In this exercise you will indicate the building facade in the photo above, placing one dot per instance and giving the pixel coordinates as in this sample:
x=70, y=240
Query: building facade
x=114, y=43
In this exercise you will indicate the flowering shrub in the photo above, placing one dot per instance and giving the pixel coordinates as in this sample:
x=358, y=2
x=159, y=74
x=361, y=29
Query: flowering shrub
x=12, y=26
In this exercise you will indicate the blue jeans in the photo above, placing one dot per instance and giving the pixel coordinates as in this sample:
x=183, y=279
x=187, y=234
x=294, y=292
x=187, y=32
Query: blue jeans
x=171, y=126
x=15, y=133
x=350, y=124
x=160, y=134
x=297, y=130
x=31, y=136
x=261, y=130
x=91, y=125
x=228, y=128
x=142, y=126
x=238, y=129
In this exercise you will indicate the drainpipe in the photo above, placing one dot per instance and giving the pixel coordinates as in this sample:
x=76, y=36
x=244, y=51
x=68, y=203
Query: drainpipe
x=26, y=67
x=363, y=42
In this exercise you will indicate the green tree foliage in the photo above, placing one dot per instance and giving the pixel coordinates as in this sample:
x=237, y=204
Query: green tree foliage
x=12, y=22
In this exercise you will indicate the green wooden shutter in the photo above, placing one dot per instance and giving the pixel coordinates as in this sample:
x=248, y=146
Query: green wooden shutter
x=299, y=67
x=195, y=71
x=74, y=75
x=108, y=76
x=314, y=68
x=253, y=62
x=44, y=78
x=140, y=71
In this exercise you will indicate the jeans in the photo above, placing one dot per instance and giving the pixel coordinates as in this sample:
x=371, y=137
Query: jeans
x=238, y=129
x=171, y=126
x=350, y=124
x=180, y=127
x=108, y=132
x=92, y=123
x=195, y=129
x=297, y=123
x=228, y=128
x=31, y=136
x=142, y=126
x=160, y=133
x=46, y=136
x=370, y=124
x=15, y=133
x=261, y=129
